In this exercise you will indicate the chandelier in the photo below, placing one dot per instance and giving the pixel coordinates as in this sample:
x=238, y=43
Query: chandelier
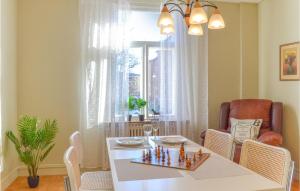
x=194, y=16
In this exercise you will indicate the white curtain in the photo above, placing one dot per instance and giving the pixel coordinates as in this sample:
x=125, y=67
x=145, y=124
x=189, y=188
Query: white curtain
x=184, y=84
x=105, y=84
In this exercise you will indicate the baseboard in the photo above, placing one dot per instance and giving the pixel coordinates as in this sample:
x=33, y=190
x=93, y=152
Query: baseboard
x=47, y=169
x=7, y=180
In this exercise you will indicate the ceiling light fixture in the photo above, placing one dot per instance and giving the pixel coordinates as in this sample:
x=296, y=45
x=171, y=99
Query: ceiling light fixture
x=194, y=16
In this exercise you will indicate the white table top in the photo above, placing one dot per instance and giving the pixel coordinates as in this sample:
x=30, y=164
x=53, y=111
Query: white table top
x=246, y=182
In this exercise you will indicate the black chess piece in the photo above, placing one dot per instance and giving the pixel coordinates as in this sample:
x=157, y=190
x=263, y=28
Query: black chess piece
x=150, y=155
x=144, y=156
x=163, y=157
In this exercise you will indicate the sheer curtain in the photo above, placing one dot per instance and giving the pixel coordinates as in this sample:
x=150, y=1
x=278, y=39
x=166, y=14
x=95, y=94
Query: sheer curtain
x=184, y=84
x=105, y=76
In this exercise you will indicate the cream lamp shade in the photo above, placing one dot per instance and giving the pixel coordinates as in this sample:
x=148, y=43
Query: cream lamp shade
x=165, y=18
x=167, y=29
x=198, y=14
x=216, y=21
x=195, y=30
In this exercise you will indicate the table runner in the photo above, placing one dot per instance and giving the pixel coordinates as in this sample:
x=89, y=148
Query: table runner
x=217, y=167
x=127, y=171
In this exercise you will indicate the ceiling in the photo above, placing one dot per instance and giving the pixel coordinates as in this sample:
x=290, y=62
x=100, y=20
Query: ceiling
x=153, y=4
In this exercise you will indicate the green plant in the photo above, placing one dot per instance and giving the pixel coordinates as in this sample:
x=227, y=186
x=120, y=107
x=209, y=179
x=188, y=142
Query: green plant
x=132, y=103
x=141, y=103
x=35, y=142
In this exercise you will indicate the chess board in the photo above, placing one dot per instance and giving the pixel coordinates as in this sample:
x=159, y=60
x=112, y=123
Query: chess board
x=195, y=159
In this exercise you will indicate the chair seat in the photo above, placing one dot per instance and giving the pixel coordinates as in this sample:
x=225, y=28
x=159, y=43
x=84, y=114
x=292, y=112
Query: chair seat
x=100, y=180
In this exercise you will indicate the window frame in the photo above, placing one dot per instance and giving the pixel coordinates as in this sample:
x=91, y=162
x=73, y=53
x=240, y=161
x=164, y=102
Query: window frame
x=145, y=45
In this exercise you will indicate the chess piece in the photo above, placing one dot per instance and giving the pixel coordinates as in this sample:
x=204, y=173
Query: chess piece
x=144, y=153
x=179, y=159
x=188, y=163
x=182, y=147
x=158, y=152
x=144, y=156
x=200, y=153
x=169, y=160
x=163, y=157
x=186, y=157
x=194, y=159
x=150, y=154
x=182, y=151
x=162, y=149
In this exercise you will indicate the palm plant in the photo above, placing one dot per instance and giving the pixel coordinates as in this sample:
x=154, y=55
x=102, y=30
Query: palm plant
x=34, y=142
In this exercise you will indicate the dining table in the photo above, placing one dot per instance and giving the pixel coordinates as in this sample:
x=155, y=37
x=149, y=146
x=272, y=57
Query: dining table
x=216, y=173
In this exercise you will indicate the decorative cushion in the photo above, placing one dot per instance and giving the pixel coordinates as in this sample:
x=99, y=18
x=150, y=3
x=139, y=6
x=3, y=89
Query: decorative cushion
x=242, y=129
x=252, y=109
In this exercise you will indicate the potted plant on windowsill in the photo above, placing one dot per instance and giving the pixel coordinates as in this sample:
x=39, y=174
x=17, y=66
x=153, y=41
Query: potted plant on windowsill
x=33, y=144
x=141, y=103
x=131, y=106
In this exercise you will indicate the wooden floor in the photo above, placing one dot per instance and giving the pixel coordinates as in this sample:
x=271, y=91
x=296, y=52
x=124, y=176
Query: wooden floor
x=47, y=183
x=56, y=183
x=296, y=186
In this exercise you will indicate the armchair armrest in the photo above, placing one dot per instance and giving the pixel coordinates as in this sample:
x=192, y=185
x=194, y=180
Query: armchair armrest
x=271, y=138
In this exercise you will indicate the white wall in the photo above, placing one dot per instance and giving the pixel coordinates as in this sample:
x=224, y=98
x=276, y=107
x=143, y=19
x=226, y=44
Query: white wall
x=279, y=23
x=8, y=85
x=232, y=58
x=49, y=66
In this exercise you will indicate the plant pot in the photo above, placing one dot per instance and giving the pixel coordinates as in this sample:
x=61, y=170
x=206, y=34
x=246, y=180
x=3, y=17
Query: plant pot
x=141, y=117
x=129, y=117
x=33, y=181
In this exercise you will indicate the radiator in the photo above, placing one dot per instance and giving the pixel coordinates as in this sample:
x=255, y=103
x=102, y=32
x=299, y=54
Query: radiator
x=136, y=128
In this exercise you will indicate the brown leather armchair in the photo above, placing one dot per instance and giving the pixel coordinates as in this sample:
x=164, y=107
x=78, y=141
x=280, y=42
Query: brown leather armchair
x=270, y=112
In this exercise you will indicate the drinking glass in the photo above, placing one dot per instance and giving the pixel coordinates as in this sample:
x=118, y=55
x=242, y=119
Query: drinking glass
x=147, y=131
x=155, y=129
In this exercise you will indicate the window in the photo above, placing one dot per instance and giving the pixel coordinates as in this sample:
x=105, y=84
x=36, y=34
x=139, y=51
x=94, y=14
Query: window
x=144, y=72
x=144, y=59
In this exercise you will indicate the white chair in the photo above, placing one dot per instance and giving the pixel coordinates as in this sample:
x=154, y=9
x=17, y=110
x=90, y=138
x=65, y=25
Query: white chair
x=290, y=178
x=87, y=181
x=75, y=141
x=269, y=161
x=219, y=142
